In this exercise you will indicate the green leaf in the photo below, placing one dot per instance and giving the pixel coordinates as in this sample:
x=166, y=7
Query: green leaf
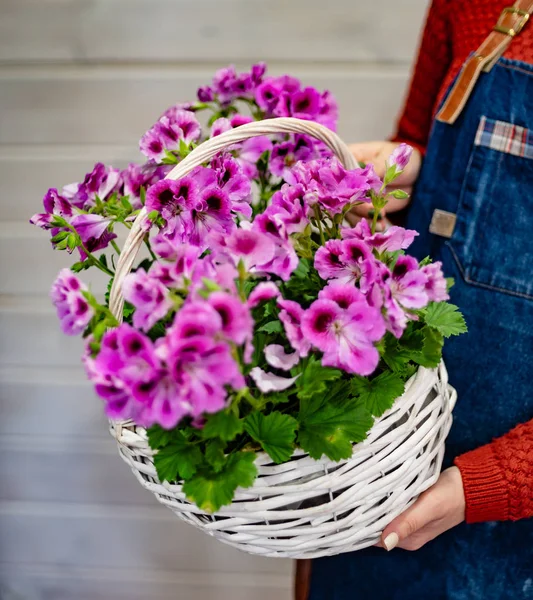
x=210, y=489
x=72, y=241
x=379, y=394
x=303, y=268
x=431, y=353
x=445, y=318
x=399, y=194
x=224, y=425
x=275, y=432
x=271, y=327
x=177, y=460
x=314, y=378
x=450, y=282
x=77, y=267
x=214, y=454
x=158, y=437
x=330, y=428
x=59, y=237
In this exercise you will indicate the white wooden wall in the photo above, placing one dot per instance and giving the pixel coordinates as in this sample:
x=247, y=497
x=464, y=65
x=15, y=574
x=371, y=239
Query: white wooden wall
x=80, y=81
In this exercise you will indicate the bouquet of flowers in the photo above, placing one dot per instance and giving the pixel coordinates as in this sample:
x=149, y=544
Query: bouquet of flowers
x=261, y=322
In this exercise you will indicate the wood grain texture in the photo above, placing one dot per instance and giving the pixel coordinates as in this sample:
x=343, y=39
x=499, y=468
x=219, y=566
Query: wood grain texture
x=38, y=582
x=117, y=537
x=209, y=30
x=116, y=106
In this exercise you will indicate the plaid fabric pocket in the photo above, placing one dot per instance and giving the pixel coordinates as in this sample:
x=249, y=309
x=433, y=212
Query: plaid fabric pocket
x=505, y=137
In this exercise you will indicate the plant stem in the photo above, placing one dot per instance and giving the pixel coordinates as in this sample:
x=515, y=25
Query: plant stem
x=318, y=217
x=117, y=249
x=375, y=220
x=148, y=245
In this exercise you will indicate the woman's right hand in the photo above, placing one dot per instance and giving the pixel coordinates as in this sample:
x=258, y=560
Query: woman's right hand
x=377, y=153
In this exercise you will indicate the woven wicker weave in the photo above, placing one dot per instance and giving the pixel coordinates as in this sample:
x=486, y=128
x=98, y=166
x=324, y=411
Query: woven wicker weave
x=306, y=508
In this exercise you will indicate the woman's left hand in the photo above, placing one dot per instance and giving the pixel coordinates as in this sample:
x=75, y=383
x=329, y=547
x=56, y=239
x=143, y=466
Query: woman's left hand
x=438, y=509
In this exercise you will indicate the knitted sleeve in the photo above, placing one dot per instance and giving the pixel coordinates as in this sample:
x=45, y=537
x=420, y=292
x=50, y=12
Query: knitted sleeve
x=498, y=477
x=434, y=59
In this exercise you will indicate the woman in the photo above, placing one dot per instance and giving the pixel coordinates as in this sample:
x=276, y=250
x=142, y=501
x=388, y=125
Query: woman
x=472, y=172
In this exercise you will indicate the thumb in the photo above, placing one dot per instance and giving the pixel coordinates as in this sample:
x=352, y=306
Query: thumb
x=405, y=525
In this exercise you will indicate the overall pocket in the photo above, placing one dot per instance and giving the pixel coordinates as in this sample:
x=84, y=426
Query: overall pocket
x=493, y=237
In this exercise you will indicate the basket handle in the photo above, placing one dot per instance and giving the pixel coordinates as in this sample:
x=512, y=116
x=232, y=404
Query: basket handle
x=204, y=153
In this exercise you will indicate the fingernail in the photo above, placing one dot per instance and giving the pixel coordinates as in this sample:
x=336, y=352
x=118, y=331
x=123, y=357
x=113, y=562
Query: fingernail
x=391, y=541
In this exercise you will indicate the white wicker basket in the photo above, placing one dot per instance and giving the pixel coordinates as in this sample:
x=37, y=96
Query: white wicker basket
x=306, y=508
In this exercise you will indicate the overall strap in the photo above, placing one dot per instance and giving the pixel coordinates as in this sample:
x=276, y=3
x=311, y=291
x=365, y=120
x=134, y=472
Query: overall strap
x=509, y=25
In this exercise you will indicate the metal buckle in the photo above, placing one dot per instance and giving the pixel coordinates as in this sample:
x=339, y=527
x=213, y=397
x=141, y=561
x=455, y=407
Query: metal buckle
x=512, y=31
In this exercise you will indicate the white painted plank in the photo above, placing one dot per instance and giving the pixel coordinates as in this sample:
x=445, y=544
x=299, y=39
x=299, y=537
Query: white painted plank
x=207, y=30
x=50, y=406
x=67, y=469
x=50, y=166
x=124, y=537
x=40, y=401
x=115, y=106
x=31, y=335
x=36, y=582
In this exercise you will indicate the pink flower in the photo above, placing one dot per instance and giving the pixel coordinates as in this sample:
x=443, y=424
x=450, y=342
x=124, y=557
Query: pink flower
x=237, y=322
x=136, y=177
x=436, y=283
x=400, y=157
x=220, y=126
x=73, y=310
x=291, y=317
x=249, y=153
x=210, y=212
x=264, y=291
x=345, y=336
x=101, y=182
x=174, y=201
x=149, y=297
x=408, y=283
x=93, y=231
x=152, y=144
x=393, y=239
x=252, y=247
x=343, y=294
x=360, y=264
x=328, y=260
x=54, y=205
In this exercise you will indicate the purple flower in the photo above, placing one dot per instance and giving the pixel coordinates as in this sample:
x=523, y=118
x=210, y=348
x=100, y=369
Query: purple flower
x=166, y=134
x=205, y=94
x=202, y=367
x=264, y=291
x=210, y=212
x=343, y=294
x=136, y=177
x=196, y=318
x=174, y=201
x=268, y=382
x=345, y=336
x=436, y=283
x=249, y=153
x=182, y=270
x=393, y=239
x=152, y=144
x=291, y=317
x=276, y=357
x=231, y=178
x=149, y=297
x=360, y=264
x=328, y=112
x=305, y=104
x=73, y=309
x=400, y=157
x=408, y=283
x=54, y=205
x=220, y=126
x=237, y=322
x=287, y=154
x=284, y=262
x=287, y=207
x=252, y=247
x=329, y=260
x=101, y=182
x=93, y=231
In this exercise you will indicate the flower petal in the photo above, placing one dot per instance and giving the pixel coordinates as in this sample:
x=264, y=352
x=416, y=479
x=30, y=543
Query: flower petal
x=268, y=382
x=277, y=357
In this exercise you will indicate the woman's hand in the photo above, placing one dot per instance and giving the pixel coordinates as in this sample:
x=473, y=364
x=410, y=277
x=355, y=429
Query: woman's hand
x=438, y=509
x=377, y=154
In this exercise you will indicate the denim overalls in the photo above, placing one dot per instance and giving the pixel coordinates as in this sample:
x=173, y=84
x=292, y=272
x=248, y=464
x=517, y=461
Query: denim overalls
x=481, y=170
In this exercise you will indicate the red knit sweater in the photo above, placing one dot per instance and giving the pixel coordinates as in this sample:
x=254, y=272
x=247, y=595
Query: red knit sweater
x=498, y=477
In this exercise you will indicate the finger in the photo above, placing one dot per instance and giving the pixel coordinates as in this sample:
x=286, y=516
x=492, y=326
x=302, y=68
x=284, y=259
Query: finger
x=407, y=524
